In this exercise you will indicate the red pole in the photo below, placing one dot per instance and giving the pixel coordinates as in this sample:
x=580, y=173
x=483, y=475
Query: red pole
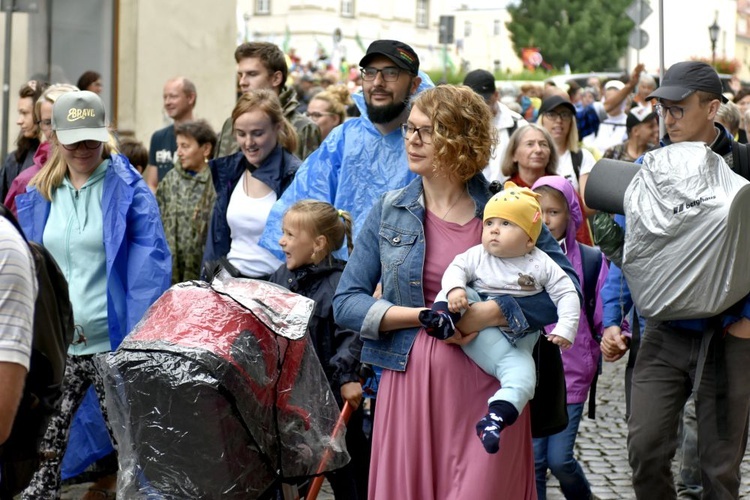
x=317, y=482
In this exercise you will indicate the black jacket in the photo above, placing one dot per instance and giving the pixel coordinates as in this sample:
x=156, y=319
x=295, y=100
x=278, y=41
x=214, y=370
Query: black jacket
x=277, y=172
x=338, y=349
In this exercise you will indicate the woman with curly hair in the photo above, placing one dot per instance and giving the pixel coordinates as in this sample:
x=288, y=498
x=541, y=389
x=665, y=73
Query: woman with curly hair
x=431, y=394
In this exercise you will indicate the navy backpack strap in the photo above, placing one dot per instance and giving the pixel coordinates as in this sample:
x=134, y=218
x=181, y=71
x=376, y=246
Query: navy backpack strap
x=576, y=158
x=591, y=262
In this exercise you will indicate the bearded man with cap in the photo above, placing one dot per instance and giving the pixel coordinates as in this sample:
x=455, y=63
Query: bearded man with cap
x=97, y=217
x=365, y=156
x=673, y=353
x=505, y=120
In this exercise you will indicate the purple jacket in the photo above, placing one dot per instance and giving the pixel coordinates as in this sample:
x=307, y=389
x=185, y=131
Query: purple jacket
x=582, y=360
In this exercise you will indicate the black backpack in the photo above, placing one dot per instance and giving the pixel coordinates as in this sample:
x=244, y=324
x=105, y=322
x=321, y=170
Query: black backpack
x=591, y=263
x=53, y=333
x=741, y=159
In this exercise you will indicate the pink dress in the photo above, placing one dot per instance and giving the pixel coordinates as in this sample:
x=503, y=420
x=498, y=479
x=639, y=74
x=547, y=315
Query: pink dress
x=424, y=441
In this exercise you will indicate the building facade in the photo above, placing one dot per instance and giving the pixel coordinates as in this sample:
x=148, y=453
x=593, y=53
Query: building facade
x=138, y=44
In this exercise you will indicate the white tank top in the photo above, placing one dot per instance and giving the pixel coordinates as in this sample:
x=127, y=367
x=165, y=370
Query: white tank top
x=247, y=217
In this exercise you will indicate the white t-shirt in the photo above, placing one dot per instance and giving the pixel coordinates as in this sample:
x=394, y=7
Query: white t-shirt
x=565, y=166
x=247, y=217
x=503, y=121
x=612, y=131
x=517, y=277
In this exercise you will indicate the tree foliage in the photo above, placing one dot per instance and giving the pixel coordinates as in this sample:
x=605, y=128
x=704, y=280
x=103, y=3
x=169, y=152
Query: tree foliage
x=590, y=35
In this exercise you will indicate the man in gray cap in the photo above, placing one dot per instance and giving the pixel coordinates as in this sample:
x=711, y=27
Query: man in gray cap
x=504, y=119
x=672, y=353
x=365, y=156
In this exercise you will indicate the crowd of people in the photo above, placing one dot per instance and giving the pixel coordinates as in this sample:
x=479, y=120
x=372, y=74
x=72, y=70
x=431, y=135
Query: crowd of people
x=443, y=234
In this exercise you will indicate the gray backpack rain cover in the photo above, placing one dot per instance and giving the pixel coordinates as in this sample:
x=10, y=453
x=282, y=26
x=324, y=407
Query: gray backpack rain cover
x=687, y=234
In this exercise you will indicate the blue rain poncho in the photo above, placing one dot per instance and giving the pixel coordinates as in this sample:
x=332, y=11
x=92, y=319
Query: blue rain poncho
x=351, y=169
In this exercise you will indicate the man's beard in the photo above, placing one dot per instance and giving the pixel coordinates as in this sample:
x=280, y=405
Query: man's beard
x=386, y=113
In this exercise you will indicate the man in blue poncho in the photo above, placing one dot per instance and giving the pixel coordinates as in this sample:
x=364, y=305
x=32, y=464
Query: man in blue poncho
x=365, y=156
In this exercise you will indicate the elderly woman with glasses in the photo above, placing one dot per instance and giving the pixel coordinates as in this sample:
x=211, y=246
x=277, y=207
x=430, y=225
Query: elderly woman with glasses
x=431, y=394
x=96, y=216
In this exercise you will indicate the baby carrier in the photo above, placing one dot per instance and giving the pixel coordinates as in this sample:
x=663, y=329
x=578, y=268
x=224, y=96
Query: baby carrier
x=218, y=393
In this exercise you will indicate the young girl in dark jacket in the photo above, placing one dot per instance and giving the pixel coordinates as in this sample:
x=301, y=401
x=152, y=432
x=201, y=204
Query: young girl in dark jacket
x=311, y=232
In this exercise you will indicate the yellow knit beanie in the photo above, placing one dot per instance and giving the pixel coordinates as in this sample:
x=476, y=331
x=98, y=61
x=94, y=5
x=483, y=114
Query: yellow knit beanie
x=519, y=206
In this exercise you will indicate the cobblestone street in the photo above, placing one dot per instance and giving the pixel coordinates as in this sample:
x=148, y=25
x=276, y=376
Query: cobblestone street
x=600, y=446
x=601, y=443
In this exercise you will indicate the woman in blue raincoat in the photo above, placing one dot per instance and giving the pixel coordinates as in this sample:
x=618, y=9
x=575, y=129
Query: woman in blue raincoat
x=97, y=217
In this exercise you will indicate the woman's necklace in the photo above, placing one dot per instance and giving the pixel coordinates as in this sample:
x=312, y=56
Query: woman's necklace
x=451, y=207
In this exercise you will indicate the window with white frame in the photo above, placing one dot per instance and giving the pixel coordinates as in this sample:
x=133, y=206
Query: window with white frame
x=496, y=28
x=467, y=29
x=423, y=13
x=347, y=8
x=262, y=6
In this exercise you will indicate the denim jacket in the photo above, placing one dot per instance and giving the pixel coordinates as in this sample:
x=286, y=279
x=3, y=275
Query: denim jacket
x=390, y=249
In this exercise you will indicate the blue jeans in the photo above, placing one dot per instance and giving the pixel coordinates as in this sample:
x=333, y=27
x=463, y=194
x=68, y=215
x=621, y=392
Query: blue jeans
x=556, y=453
x=507, y=359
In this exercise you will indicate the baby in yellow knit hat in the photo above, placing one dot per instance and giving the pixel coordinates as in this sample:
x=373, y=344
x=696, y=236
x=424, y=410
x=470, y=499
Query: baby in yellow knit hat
x=506, y=263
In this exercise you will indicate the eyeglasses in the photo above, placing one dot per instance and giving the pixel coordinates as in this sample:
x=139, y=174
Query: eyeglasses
x=390, y=74
x=87, y=144
x=424, y=133
x=317, y=115
x=677, y=112
x=45, y=123
x=565, y=116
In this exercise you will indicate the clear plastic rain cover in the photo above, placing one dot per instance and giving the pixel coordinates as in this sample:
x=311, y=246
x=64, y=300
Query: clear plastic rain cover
x=218, y=392
x=687, y=234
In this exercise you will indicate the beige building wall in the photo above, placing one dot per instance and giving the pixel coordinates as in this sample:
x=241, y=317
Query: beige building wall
x=742, y=45
x=159, y=40
x=156, y=40
x=488, y=45
x=18, y=72
x=307, y=25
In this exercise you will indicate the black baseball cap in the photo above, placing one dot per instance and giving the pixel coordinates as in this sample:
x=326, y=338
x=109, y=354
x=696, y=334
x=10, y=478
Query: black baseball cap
x=481, y=81
x=401, y=54
x=685, y=78
x=555, y=100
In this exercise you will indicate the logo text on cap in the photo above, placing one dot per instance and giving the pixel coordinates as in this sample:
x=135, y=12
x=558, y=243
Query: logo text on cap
x=75, y=114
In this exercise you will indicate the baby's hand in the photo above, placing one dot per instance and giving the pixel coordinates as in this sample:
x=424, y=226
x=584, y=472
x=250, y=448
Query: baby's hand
x=457, y=300
x=559, y=341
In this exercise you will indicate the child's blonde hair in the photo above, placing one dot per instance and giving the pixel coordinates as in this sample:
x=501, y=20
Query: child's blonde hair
x=323, y=219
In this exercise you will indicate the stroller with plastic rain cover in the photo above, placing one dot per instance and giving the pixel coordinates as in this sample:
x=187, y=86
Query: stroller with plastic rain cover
x=218, y=393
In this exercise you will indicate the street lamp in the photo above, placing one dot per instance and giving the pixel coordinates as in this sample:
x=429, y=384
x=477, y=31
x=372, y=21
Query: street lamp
x=713, y=32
